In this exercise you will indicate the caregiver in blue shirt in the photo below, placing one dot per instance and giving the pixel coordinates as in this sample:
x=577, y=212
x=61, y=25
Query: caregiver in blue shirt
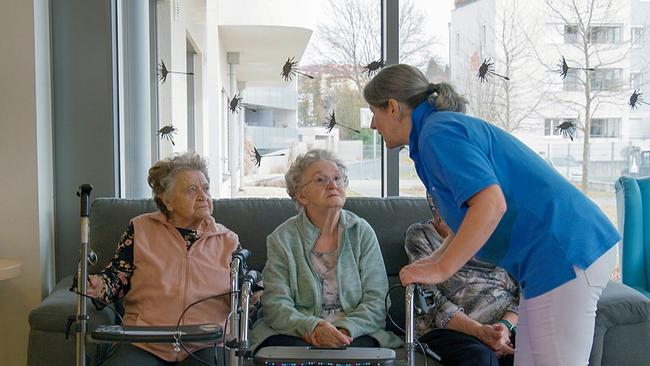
x=507, y=206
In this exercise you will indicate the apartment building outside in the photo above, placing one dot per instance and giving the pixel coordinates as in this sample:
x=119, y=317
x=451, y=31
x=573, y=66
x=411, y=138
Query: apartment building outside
x=528, y=42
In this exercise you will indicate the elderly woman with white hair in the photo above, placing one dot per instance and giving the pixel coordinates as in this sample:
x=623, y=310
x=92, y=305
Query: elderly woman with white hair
x=167, y=260
x=324, y=277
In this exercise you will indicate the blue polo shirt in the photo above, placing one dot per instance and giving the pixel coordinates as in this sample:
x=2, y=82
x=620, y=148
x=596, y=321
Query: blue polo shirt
x=549, y=226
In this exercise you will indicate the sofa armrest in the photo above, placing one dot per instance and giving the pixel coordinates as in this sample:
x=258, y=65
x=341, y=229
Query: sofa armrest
x=622, y=325
x=51, y=315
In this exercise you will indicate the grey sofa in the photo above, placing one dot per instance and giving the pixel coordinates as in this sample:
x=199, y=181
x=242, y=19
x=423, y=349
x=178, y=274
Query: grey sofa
x=623, y=320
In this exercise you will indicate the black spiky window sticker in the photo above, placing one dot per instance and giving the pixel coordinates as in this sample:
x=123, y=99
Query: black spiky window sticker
x=163, y=72
x=290, y=69
x=257, y=157
x=564, y=68
x=167, y=133
x=567, y=129
x=636, y=99
x=486, y=70
x=236, y=104
x=373, y=67
x=331, y=122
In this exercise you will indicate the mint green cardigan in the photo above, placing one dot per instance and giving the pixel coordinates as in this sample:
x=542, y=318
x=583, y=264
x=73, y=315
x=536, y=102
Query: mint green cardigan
x=292, y=297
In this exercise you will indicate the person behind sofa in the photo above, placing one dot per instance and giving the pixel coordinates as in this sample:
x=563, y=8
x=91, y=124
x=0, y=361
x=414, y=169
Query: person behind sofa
x=507, y=206
x=474, y=313
x=169, y=259
x=324, y=278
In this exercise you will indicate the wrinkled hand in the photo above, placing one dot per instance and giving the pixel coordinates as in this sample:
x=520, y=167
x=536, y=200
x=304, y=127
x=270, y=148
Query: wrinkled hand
x=497, y=337
x=326, y=335
x=422, y=272
x=505, y=351
x=95, y=286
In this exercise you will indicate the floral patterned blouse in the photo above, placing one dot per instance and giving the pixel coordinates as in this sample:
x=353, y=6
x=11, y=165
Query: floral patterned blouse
x=481, y=290
x=117, y=273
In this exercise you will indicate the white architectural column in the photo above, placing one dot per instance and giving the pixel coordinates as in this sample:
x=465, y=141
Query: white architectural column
x=135, y=96
x=234, y=127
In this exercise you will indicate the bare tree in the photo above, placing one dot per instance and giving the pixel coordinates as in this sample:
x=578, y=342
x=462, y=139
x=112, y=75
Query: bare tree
x=507, y=103
x=594, y=46
x=351, y=40
x=516, y=56
x=481, y=96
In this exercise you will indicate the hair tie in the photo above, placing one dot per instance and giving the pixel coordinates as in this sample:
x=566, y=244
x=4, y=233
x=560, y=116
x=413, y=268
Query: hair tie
x=431, y=88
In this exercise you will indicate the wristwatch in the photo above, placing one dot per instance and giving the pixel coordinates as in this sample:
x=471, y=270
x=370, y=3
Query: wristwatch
x=511, y=327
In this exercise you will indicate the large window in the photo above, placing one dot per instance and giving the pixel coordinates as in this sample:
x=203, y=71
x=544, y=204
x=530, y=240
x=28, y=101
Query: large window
x=225, y=96
x=253, y=83
x=432, y=60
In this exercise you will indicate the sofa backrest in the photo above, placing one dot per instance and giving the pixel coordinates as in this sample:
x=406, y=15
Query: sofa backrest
x=255, y=218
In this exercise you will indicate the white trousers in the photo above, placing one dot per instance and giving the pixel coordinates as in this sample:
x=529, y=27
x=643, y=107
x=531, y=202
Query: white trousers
x=557, y=328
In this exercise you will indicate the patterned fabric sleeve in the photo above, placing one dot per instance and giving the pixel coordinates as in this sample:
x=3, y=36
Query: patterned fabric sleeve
x=420, y=242
x=117, y=274
x=513, y=288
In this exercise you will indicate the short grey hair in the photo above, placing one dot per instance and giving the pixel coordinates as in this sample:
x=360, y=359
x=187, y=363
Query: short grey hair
x=407, y=84
x=162, y=173
x=293, y=176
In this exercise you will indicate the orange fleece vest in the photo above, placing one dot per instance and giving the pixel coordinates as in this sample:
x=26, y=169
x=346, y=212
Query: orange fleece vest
x=168, y=277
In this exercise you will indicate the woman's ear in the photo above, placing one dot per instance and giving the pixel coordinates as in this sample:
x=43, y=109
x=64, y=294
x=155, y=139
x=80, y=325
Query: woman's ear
x=393, y=107
x=168, y=204
x=302, y=197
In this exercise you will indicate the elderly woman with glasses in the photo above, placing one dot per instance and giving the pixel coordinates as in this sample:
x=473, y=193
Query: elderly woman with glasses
x=324, y=277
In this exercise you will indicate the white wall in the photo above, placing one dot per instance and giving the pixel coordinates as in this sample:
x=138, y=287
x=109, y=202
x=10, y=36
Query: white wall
x=26, y=201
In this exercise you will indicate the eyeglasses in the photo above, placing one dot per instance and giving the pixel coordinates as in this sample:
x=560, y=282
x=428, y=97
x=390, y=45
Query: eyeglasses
x=322, y=180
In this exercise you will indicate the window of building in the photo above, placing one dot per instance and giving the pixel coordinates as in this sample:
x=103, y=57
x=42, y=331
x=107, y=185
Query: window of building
x=605, y=34
x=572, y=80
x=637, y=34
x=551, y=126
x=605, y=127
x=606, y=79
x=570, y=33
x=636, y=80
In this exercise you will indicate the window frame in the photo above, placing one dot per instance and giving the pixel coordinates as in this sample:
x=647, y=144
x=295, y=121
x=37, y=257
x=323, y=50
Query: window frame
x=611, y=128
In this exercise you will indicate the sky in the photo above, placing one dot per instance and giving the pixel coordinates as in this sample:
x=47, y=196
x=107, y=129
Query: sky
x=439, y=14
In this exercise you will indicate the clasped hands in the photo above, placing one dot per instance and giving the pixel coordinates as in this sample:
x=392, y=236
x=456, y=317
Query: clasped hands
x=497, y=337
x=327, y=335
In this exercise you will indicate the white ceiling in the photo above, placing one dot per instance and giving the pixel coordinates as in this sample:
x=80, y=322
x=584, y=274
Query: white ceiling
x=263, y=50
